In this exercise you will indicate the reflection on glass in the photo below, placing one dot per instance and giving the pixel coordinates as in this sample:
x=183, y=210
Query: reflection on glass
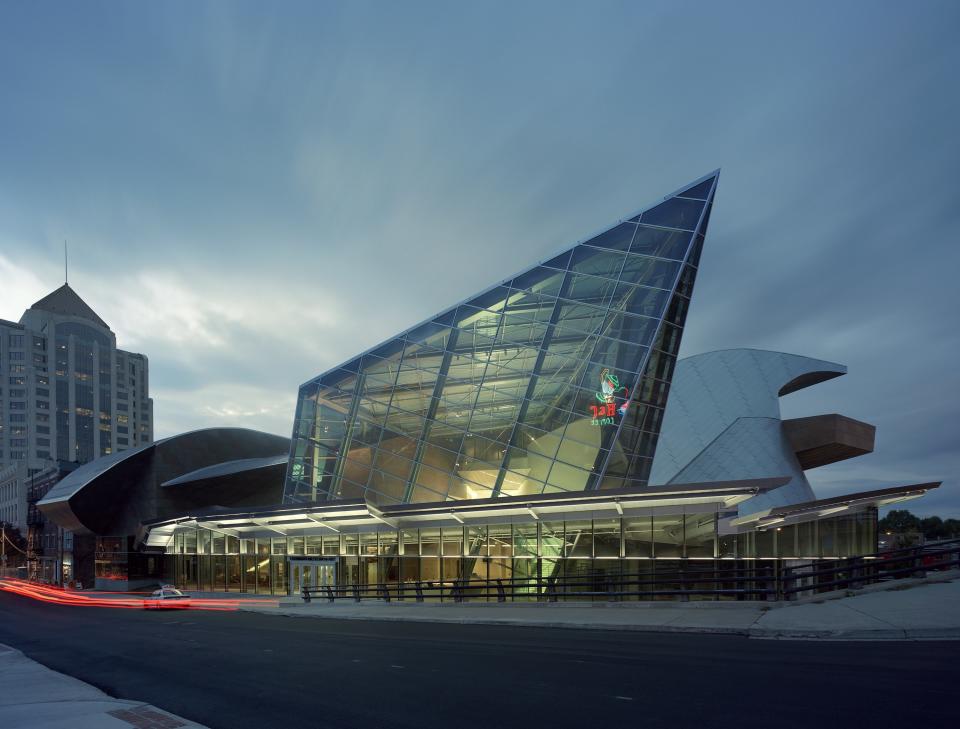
x=504, y=393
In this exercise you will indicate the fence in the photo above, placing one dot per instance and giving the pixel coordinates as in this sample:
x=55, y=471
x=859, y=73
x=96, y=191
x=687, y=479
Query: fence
x=739, y=580
x=856, y=572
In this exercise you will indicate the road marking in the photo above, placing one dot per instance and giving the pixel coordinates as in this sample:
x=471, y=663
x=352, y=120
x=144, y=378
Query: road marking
x=624, y=698
x=397, y=666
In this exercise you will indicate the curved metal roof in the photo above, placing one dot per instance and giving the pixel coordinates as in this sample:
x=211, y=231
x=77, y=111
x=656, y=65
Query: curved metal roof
x=76, y=480
x=722, y=420
x=228, y=468
x=118, y=491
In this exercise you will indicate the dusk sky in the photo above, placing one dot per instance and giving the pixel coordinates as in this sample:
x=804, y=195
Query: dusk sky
x=255, y=192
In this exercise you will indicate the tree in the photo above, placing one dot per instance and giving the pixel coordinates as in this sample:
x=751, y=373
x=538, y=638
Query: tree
x=932, y=528
x=899, y=521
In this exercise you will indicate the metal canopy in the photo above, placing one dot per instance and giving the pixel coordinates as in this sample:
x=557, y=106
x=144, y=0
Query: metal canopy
x=835, y=506
x=326, y=518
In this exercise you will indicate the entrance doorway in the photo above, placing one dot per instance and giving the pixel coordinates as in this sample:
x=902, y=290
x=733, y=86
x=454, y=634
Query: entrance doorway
x=312, y=572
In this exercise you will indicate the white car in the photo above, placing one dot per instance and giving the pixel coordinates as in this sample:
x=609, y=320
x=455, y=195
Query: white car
x=166, y=597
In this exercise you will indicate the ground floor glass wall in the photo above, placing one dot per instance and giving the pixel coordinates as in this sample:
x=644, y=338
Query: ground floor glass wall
x=589, y=551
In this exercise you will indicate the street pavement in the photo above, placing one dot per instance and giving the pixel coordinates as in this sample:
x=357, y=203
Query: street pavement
x=906, y=610
x=242, y=670
x=39, y=698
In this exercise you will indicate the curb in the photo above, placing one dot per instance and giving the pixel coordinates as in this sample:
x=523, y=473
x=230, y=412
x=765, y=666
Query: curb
x=891, y=634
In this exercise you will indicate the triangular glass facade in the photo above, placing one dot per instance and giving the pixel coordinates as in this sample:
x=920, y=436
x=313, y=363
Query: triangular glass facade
x=554, y=380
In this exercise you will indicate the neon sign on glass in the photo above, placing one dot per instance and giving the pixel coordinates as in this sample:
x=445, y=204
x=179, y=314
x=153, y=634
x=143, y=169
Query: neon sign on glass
x=606, y=410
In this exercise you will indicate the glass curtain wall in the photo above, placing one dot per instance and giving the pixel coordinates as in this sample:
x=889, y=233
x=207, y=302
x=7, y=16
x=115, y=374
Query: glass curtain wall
x=590, y=551
x=554, y=380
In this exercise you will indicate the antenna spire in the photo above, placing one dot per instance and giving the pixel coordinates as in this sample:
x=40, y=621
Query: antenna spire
x=66, y=277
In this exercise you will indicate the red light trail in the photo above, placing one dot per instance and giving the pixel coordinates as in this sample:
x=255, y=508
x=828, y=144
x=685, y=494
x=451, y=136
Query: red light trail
x=59, y=596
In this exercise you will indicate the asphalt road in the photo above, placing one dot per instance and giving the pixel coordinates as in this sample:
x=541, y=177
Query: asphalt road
x=239, y=670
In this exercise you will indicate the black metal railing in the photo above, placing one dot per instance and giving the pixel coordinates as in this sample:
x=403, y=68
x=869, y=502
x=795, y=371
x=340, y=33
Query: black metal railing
x=742, y=580
x=754, y=583
x=857, y=572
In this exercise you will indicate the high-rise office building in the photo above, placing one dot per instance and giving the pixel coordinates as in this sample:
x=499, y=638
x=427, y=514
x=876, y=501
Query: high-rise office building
x=67, y=393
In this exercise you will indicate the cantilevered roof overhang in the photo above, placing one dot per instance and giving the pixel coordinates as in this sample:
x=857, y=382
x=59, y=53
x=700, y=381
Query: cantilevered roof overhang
x=115, y=493
x=360, y=516
x=836, y=506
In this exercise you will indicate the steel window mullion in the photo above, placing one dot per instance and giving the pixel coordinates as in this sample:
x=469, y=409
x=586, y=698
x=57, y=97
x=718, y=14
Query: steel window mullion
x=348, y=434
x=531, y=384
x=599, y=472
x=431, y=413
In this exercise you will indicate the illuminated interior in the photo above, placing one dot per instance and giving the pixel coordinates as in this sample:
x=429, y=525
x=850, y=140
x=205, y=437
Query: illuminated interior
x=554, y=380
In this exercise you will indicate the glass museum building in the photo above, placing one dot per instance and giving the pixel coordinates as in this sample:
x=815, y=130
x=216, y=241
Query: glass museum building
x=542, y=429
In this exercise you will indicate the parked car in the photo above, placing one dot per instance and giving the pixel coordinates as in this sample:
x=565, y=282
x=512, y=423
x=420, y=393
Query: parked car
x=167, y=597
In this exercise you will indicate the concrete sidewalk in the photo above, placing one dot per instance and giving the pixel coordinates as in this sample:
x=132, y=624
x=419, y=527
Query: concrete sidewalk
x=37, y=697
x=904, y=610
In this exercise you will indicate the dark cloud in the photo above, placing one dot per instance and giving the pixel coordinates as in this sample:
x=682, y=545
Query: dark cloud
x=312, y=178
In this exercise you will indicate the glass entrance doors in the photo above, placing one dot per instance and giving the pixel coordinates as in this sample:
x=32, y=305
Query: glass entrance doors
x=312, y=572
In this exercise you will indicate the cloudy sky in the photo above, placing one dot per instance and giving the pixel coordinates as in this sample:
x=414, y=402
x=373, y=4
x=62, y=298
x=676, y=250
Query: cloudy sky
x=253, y=192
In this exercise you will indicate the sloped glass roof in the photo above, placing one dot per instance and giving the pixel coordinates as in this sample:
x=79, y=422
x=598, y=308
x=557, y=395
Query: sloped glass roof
x=553, y=380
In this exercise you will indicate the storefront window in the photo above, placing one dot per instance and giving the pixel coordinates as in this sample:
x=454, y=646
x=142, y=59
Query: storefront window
x=552, y=539
x=295, y=545
x=368, y=544
x=430, y=542
x=727, y=545
x=351, y=544
x=219, y=573
x=233, y=573
x=637, y=536
x=263, y=566
x=388, y=542
x=500, y=540
x=476, y=544
x=332, y=545
x=249, y=573
x=867, y=532
x=765, y=540
x=452, y=569
x=807, y=539
x=411, y=542
x=452, y=541
x=314, y=545
x=606, y=538
x=525, y=539
x=846, y=535
x=667, y=536
x=579, y=538
x=828, y=538
x=699, y=532
x=203, y=541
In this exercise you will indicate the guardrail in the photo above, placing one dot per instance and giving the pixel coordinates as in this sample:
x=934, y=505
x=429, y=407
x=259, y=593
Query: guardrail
x=856, y=572
x=761, y=580
x=755, y=583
